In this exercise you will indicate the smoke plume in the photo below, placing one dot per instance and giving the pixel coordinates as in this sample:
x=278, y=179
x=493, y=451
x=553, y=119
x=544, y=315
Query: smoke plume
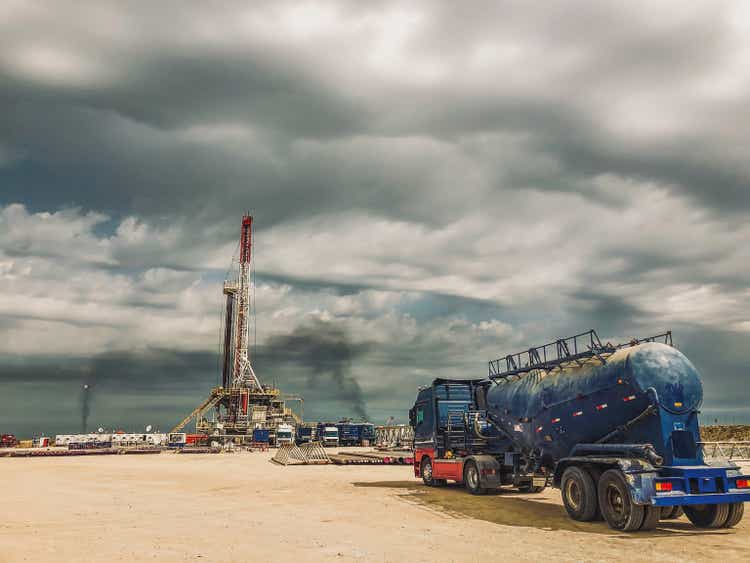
x=87, y=389
x=326, y=351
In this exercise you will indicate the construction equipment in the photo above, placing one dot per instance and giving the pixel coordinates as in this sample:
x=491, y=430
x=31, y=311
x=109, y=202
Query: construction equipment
x=615, y=427
x=311, y=453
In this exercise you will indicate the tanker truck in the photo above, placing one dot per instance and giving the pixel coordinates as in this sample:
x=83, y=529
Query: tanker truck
x=614, y=427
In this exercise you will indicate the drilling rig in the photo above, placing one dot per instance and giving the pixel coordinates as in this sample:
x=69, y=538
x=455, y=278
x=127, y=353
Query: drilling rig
x=241, y=403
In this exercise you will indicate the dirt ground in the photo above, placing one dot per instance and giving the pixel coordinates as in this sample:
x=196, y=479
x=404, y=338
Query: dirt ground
x=241, y=507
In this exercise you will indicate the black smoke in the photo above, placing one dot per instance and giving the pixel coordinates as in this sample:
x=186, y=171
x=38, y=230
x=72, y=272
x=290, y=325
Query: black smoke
x=323, y=350
x=87, y=391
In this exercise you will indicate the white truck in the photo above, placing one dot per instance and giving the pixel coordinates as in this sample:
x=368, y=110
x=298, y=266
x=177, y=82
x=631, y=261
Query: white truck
x=284, y=434
x=331, y=437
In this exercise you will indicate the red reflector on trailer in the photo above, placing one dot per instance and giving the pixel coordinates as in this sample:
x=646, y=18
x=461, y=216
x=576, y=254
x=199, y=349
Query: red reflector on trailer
x=743, y=483
x=664, y=487
x=629, y=398
x=602, y=406
x=555, y=420
x=578, y=413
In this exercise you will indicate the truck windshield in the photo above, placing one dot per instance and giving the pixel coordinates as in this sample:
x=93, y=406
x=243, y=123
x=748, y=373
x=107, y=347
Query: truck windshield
x=332, y=434
x=285, y=434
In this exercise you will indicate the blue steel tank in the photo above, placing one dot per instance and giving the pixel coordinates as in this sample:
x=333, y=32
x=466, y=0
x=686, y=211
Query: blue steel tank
x=644, y=394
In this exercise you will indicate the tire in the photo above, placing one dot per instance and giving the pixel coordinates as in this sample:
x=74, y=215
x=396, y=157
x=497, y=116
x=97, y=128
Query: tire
x=578, y=494
x=708, y=515
x=671, y=512
x=471, y=479
x=736, y=512
x=426, y=471
x=650, y=518
x=616, y=505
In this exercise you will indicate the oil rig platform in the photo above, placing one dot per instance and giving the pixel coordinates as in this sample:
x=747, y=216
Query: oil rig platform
x=241, y=403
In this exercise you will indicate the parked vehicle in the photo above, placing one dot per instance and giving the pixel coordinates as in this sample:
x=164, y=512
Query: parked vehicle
x=614, y=427
x=366, y=431
x=261, y=435
x=306, y=433
x=356, y=433
x=8, y=441
x=284, y=434
x=177, y=440
x=330, y=436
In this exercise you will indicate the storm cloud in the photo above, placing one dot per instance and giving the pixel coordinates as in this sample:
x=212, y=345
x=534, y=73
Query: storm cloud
x=434, y=185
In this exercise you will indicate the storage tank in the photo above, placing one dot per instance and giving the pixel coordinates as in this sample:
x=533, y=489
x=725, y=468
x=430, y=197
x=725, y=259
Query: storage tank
x=647, y=393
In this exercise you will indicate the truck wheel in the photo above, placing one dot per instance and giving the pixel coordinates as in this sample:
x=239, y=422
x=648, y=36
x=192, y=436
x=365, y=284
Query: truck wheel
x=736, y=512
x=427, y=477
x=671, y=512
x=426, y=471
x=471, y=479
x=707, y=515
x=616, y=505
x=650, y=518
x=578, y=494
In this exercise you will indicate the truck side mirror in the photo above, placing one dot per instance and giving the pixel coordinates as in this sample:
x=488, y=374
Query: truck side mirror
x=411, y=417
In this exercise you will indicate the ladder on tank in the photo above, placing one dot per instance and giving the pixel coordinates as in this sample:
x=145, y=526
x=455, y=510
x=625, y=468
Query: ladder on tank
x=573, y=349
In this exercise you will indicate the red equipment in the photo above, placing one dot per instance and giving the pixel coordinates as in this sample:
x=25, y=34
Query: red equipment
x=8, y=441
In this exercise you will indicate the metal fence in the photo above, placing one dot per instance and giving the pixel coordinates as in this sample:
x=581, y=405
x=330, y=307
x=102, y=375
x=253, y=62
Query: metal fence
x=394, y=436
x=736, y=451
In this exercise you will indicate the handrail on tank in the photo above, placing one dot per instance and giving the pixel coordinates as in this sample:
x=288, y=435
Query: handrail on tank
x=563, y=350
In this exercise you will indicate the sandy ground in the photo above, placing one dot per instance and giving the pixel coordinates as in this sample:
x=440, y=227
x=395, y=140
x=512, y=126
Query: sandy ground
x=241, y=507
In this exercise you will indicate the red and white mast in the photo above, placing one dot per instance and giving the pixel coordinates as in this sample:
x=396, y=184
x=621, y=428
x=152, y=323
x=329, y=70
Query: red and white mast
x=242, y=373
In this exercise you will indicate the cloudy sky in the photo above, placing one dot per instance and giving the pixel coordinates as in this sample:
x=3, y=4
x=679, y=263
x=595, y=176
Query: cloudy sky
x=433, y=187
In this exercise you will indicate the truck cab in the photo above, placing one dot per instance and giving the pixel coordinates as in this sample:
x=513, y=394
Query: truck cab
x=453, y=441
x=330, y=436
x=284, y=434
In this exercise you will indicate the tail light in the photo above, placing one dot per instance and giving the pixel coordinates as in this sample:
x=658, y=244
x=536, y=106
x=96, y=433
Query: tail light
x=743, y=483
x=663, y=487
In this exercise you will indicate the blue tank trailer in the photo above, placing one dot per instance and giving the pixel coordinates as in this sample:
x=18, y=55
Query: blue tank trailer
x=614, y=427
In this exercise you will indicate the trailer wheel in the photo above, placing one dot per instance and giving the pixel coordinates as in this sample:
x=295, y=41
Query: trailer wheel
x=578, y=494
x=650, y=518
x=616, y=505
x=736, y=512
x=471, y=479
x=707, y=515
x=671, y=512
